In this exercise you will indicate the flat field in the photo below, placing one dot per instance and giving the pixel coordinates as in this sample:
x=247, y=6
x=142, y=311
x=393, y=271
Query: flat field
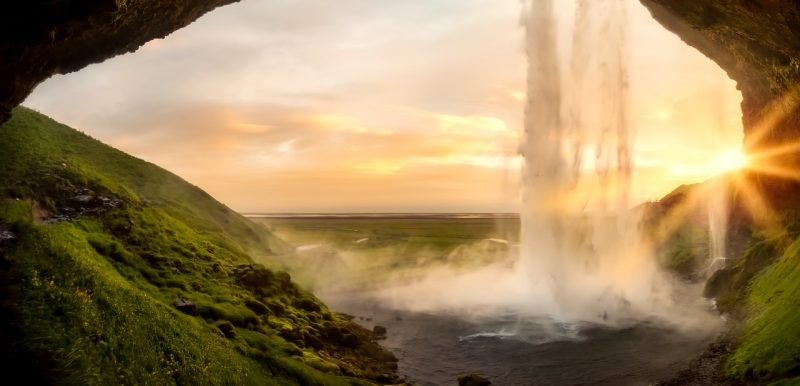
x=362, y=250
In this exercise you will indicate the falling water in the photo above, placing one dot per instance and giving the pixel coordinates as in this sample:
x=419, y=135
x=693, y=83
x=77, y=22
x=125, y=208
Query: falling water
x=718, y=199
x=581, y=247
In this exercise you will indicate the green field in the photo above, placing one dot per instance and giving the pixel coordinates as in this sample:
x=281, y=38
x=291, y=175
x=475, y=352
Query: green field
x=358, y=252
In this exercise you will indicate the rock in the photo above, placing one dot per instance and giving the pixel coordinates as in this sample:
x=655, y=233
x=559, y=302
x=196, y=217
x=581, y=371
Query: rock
x=473, y=380
x=263, y=280
x=6, y=235
x=83, y=198
x=389, y=379
x=349, y=340
x=227, y=329
x=46, y=37
x=7, y=238
x=185, y=306
x=307, y=304
x=344, y=316
x=313, y=341
x=379, y=331
x=756, y=44
x=257, y=307
x=276, y=308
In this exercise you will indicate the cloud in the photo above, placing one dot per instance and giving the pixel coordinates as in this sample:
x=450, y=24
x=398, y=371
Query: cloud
x=361, y=105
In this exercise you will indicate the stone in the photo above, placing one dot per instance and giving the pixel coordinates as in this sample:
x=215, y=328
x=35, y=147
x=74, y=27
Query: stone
x=379, y=331
x=257, y=307
x=227, y=329
x=756, y=43
x=40, y=38
x=473, y=380
x=185, y=306
x=307, y=304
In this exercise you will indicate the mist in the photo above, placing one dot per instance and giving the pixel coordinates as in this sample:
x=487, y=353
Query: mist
x=580, y=257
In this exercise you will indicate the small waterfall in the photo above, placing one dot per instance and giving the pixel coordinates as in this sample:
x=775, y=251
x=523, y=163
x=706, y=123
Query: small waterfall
x=581, y=248
x=717, y=201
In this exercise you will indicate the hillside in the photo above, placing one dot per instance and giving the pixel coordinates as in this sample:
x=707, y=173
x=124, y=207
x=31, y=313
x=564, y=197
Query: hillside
x=757, y=290
x=115, y=271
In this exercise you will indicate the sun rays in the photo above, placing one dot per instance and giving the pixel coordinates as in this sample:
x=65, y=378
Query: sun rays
x=751, y=179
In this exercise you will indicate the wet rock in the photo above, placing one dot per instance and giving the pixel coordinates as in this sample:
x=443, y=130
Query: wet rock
x=379, y=331
x=332, y=333
x=473, y=380
x=389, y=379
x=344, y=316
x=349, y=340
x=185, y=306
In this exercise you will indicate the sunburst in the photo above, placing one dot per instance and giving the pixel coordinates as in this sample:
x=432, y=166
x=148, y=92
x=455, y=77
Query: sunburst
x=764, y=157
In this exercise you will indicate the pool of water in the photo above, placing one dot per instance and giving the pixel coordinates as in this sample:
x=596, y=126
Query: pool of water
x=509, y=349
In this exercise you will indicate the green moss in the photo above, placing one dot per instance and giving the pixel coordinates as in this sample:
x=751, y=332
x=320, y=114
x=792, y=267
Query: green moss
x=15, y=210
x=686, y=249
x=770, y=341
x=87, y=317
x=94, y=297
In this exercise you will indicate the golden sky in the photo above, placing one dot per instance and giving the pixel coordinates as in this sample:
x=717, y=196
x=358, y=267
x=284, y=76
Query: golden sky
x=391, y=106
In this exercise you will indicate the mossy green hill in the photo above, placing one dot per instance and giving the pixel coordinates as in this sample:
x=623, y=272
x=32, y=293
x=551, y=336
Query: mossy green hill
x=758, y=291
x=115, y=271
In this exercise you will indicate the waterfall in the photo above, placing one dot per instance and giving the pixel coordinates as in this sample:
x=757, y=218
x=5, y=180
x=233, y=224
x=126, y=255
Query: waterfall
x=717, y=201
x=581, y=248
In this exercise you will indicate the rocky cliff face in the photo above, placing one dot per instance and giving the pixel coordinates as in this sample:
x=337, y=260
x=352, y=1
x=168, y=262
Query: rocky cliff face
x=757, y=42
x=39, y=38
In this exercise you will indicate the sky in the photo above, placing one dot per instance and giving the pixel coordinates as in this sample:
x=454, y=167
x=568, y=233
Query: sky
x=367, y=106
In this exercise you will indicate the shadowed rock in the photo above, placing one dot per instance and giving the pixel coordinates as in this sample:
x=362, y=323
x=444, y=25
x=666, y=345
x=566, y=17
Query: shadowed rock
x=473, y=380
x=757, y=42
x=40, y=38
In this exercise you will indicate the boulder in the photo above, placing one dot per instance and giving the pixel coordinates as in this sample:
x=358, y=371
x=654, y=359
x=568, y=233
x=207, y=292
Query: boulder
x=307, y=304
x=227, y=329
x=184, y=305
x=379, y=331
x=473, y=380
x=257, y=307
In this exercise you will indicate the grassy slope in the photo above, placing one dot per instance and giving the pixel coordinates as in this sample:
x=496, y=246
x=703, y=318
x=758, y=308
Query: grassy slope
x=769, y=346
x=90, y=300
x=760, y=291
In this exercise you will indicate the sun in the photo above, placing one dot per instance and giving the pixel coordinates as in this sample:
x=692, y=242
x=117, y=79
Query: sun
x=729, y=160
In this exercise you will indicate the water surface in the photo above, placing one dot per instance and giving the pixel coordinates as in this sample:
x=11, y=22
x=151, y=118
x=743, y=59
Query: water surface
x=435, y=348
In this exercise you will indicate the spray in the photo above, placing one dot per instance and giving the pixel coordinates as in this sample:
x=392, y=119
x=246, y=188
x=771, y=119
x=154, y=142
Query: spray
x=580, y=247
